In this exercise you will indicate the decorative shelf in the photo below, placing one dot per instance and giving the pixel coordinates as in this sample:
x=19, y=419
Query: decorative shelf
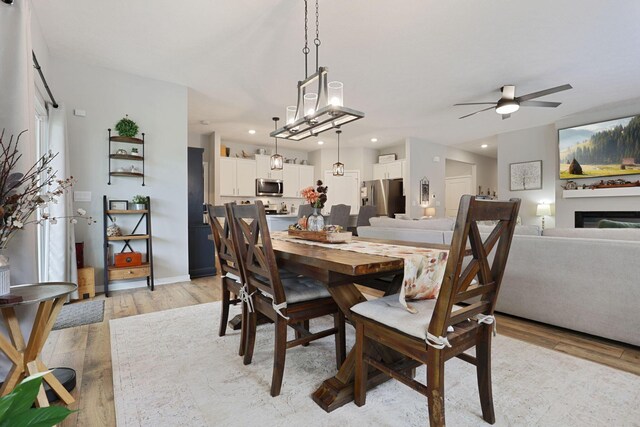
x=129, y=237
x=126, y=157
x=126, y=139
x=114, y=268
x=128, y=211
x=602, y=192
x=136, y=174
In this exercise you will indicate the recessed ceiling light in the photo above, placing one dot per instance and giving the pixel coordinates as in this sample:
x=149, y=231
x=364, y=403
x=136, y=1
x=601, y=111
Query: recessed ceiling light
x=374, y=139
x=252, y=131
x=320, y=142
x=484, y=146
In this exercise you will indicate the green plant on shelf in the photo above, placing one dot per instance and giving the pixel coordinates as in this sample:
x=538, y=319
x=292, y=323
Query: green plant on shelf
x=138, y=199
x=127, y=127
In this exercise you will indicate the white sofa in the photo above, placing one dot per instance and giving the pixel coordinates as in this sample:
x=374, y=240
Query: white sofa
x=587, y=280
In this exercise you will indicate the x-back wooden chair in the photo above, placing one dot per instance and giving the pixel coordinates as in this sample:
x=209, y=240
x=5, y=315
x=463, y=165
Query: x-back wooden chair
x=287, y=301
x=231, y=282
x=463, y=307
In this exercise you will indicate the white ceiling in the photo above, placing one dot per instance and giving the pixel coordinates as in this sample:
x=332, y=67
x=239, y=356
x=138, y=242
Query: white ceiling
x=404, y=63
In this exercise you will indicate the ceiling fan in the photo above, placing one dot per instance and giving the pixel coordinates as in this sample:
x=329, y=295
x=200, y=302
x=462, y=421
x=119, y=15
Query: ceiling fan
x=510, y=103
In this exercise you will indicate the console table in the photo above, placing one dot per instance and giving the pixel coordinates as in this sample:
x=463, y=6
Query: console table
x=50, y=297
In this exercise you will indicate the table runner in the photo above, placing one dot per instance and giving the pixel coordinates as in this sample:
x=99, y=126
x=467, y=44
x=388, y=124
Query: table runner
x=423, y=267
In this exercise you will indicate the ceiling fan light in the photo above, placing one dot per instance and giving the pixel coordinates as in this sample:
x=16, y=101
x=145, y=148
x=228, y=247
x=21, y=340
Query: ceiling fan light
x=507, y=106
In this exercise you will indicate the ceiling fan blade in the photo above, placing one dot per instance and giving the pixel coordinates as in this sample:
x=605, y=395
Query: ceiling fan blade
x=543, y=93
x=508, y=92
x=479, y=111
x=539, y=104
x=505, y=116
x=476, y=103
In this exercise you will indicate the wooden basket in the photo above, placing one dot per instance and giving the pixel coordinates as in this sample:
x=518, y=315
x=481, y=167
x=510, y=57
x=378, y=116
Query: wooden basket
x=322, y=236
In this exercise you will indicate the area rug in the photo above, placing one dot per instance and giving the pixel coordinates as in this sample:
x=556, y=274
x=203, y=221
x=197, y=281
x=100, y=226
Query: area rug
x=80, y=313
x=170, y=368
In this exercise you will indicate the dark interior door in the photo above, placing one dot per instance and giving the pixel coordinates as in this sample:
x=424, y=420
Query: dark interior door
x=201, y=250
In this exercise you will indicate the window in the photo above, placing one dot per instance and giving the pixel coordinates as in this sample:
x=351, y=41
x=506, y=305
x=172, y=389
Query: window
x=42, y=146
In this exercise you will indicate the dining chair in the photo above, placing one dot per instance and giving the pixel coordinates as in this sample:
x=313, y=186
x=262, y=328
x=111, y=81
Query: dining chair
x=339, y=215
x=305, y=210
x=287, y=301
x=365, y=214
x=231, y=282
x=459, y=319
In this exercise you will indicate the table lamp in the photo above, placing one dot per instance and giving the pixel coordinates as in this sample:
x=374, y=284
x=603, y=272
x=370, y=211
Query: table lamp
x=543, y=210
x=430, y=212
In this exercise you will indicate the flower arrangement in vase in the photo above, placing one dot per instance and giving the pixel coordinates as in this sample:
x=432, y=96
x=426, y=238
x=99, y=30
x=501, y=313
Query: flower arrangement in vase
x=316, y=197
x=22, y=194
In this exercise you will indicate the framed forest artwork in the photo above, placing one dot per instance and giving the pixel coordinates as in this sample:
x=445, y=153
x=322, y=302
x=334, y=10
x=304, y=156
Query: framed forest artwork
x=525, y=176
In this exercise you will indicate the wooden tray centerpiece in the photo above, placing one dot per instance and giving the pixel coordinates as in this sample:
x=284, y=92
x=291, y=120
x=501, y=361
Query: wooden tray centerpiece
x=321, y=236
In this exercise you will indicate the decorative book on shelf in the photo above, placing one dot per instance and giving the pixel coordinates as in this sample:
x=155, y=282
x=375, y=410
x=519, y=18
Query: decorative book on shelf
x=122, y=151
x=128, y=254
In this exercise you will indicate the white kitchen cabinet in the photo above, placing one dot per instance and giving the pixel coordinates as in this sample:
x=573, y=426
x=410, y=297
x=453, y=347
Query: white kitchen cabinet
x=295, y=178
x=237, y=177
x=389, y=170
x=306, y=176
x=263, y=168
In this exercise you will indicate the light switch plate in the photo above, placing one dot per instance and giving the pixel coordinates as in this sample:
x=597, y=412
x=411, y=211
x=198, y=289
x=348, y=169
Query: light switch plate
x=82, y=196
x=79, y=113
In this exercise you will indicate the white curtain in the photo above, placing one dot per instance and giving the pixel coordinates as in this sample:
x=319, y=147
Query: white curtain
x=59, y=246
x=17, y=113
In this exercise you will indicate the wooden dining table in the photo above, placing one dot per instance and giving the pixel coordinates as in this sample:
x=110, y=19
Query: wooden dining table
x=340, y=270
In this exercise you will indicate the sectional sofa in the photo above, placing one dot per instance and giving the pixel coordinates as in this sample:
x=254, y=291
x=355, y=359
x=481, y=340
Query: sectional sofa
x=583, y=279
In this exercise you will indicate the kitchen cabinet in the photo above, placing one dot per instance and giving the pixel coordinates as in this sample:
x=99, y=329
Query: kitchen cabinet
x=237, y=177
x=389, y=170
x=263, y=168
x=295, y=178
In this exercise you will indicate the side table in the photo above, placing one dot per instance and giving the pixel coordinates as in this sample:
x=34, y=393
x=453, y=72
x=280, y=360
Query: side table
x=50, y=297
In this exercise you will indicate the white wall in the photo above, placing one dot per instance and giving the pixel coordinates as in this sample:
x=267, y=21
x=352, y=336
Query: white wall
x=541, y=143
x=428, y=159
x=528, y=145
x=160, y=109
x=358, y=158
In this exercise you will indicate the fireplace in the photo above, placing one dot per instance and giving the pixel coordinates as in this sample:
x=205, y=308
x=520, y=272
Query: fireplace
x=590, y=219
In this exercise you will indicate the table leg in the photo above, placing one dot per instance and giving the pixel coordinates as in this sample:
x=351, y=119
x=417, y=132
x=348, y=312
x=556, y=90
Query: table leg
x=26, y=359
x=338, y=390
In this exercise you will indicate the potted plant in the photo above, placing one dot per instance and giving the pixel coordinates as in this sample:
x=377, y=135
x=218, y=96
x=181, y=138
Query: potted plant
x=139, y=203
x=16, y=408
x=127, y=127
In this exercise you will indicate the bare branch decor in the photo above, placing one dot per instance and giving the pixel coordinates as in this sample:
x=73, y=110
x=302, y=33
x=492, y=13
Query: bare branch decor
x=525, y=175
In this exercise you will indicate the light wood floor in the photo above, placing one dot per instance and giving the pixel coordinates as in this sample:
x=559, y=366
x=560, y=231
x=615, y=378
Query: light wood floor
x=87, y=349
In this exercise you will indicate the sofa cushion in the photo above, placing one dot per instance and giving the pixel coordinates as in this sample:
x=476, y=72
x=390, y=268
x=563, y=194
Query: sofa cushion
x=520, y=230
x=404, y=234
x=607, y=223
x=422, y=224
x=631, y=234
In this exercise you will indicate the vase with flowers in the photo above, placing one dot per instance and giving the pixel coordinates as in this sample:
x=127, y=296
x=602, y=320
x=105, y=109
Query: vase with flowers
x=23, y=194
x=316, y=197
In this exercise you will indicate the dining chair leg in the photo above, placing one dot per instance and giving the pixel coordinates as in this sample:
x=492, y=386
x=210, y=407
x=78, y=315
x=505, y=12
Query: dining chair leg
x=250, y=339
x=341, y=345
x=362, y=369
x=279, y=355
x=305, y=325
x=243, y=329
x=483, y=369
x=224, y=313
x=435, y=387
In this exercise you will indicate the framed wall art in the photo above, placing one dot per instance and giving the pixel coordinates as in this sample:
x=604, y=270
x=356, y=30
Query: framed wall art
x=118, y=205
x=525, y=176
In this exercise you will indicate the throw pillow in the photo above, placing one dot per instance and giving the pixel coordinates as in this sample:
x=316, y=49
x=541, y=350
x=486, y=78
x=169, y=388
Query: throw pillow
x=423, y=277
x=607, y=223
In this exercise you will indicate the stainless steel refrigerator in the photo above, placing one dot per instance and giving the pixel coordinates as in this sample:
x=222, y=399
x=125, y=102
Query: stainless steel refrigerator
x=385, y=194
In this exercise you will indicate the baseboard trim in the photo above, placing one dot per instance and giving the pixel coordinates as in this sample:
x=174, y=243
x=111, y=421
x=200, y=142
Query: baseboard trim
x=133, y=284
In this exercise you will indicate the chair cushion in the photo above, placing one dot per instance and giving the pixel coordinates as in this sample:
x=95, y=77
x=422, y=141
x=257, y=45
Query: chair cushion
x=301, y=288
x=233, y=277
x=390, y=312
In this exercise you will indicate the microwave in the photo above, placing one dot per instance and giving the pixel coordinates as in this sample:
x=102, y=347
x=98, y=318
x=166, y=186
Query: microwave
x=269, y=187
